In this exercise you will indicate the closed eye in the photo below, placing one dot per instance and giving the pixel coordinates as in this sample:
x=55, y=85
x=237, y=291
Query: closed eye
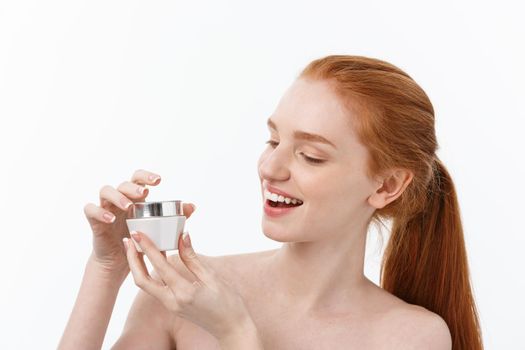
x=274, y=144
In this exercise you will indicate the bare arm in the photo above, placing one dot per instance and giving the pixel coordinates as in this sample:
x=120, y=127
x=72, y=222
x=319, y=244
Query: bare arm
x=91, y=313
x=149, y=324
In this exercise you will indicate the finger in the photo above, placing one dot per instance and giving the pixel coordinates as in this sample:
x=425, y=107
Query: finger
x=133, y=190
x=140, y=259
x=109, y=194
x=144, y=177
x=167, y=273
x=188, y=209
x=140, y=273
x=94, y=212
x=192, y=261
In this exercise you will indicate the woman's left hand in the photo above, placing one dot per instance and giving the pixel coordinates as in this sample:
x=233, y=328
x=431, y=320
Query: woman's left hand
x=207, y=301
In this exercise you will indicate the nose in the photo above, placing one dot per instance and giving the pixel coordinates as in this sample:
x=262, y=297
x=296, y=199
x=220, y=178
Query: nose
x=273, y=166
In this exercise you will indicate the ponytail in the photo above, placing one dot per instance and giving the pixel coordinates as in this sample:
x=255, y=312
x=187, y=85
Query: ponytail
x=425, y=262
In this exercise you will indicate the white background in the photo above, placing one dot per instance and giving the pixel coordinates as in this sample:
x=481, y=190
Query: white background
x=92, y=90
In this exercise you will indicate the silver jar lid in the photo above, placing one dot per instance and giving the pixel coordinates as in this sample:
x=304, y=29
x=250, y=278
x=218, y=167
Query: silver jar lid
x=154, y=209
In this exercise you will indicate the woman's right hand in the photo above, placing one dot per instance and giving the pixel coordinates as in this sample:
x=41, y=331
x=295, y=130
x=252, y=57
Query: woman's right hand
x=108, y=221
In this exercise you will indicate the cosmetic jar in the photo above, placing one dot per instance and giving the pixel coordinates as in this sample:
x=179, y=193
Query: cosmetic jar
x=162, y=222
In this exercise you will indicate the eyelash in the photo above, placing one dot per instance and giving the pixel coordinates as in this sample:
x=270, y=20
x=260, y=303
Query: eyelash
x=309, y=159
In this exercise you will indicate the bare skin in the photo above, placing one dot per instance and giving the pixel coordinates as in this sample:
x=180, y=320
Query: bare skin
x=379, y=321
x=309, y=294
x=312, y=293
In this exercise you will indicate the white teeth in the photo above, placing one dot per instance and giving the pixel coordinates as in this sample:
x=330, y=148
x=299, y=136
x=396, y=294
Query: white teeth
x=278, y=198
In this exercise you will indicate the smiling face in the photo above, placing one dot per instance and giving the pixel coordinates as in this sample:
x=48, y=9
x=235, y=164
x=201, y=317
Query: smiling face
x=334, y=191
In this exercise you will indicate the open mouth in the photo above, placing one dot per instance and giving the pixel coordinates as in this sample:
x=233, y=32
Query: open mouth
x=281, y=204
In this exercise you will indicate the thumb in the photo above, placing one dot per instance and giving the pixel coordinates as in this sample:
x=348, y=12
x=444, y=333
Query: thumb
x=188, y=209
x=192, y=260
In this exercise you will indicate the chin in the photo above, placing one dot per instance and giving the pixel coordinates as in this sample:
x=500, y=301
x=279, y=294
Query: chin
x=278, y=234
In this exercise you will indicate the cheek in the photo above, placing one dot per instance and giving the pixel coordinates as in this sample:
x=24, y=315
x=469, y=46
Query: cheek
x=322, y=185
x=332, y=198
x=336, y=194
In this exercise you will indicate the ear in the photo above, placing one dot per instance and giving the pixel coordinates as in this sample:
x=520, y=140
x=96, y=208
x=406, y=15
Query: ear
x=392, y=185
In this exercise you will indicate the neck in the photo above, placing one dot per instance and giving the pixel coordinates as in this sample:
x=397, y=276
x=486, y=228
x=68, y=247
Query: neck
x=321, y=276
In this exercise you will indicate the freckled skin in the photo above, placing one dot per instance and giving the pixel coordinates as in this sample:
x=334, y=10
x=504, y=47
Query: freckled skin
x=335, y=190
x=312, y=293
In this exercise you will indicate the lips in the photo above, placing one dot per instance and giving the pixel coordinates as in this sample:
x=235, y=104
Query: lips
x=277, y=212
x=278, y=191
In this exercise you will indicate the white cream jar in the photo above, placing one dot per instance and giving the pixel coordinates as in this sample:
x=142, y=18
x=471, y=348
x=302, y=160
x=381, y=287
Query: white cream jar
x=163, y=222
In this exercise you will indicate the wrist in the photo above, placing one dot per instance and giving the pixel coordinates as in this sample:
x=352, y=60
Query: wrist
x=111, y=276
x=245, y=336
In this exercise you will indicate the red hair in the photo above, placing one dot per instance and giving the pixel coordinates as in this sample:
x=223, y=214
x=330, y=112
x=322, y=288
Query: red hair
x=425, y=261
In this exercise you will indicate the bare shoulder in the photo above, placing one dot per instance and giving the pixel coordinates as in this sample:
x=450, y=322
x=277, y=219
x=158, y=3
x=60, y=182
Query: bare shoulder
x=235, y=265
x=402, y=325
x=415, y=327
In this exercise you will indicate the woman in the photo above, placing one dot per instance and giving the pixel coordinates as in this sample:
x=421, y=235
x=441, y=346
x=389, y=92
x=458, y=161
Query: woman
x=352, y=143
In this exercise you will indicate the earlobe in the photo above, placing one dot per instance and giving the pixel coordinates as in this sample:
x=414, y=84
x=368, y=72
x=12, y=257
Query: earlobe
x=377, y=198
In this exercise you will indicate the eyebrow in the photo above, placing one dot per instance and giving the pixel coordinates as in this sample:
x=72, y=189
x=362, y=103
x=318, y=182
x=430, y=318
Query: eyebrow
x=303, y=135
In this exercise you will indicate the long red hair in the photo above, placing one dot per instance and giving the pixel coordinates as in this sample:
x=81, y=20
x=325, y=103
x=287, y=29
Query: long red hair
x=425, y=261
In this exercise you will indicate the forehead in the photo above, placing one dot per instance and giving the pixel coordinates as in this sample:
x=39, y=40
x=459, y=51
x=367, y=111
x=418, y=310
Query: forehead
x=313, y=106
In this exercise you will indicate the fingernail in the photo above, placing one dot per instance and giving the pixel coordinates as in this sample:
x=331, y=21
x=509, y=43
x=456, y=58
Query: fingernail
x=186, y=239
x=193, y=206
x=154, y=178
x=135, y=236
x=126, y=244
x=109, y=217
x=125, y=203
